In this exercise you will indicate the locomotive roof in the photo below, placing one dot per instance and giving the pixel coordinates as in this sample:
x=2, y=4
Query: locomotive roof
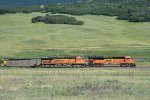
x=69, y=57
x=102, y=57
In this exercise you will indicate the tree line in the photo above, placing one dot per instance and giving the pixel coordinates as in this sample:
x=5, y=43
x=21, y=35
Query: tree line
x=25, y=3
x=57, y=19
x=131, y=10
x=29, y=9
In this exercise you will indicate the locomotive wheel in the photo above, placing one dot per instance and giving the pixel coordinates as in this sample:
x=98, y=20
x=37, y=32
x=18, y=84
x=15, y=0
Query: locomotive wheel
x=123, y=65
x=102, y=65
x=120, y=65
x=43, y=66
x=132, y=65
x=52, y=66
x=99, y=65
x=82, y=66
x=90, y=66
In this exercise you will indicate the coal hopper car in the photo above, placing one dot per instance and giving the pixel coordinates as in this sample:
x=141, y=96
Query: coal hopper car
x=23, y=62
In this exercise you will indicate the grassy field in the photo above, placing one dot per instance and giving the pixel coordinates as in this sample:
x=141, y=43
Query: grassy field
x=100, y=35
x=74, y=84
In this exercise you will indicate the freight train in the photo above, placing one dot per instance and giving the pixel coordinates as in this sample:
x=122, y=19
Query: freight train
x=74, y=61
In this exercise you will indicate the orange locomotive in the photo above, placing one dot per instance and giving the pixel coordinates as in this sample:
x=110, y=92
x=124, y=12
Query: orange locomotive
x=63, y=62
x=126, y=61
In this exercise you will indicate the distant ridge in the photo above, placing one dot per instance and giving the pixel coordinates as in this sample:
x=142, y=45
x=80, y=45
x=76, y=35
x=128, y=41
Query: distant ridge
x=18, y=3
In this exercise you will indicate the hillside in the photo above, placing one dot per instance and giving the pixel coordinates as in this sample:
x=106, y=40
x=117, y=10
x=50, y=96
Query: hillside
x=100, y=35
x=16, y=3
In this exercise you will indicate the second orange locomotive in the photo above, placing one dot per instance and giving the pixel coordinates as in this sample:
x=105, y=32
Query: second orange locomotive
x=125, y=61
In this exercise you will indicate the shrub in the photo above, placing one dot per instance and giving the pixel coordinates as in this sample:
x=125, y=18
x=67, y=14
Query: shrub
x=57, y=19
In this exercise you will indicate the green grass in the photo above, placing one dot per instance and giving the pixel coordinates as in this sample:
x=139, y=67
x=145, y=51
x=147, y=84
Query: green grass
x=100, y=35
x=74, y=83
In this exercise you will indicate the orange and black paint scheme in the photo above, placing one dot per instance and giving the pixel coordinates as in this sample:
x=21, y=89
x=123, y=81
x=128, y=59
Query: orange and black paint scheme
x=125, y=61
x=96, y=61
x=64, y=61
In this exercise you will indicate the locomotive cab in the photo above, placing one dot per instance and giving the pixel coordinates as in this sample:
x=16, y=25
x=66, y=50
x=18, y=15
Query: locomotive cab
x=127, y=58
x=130, y=61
